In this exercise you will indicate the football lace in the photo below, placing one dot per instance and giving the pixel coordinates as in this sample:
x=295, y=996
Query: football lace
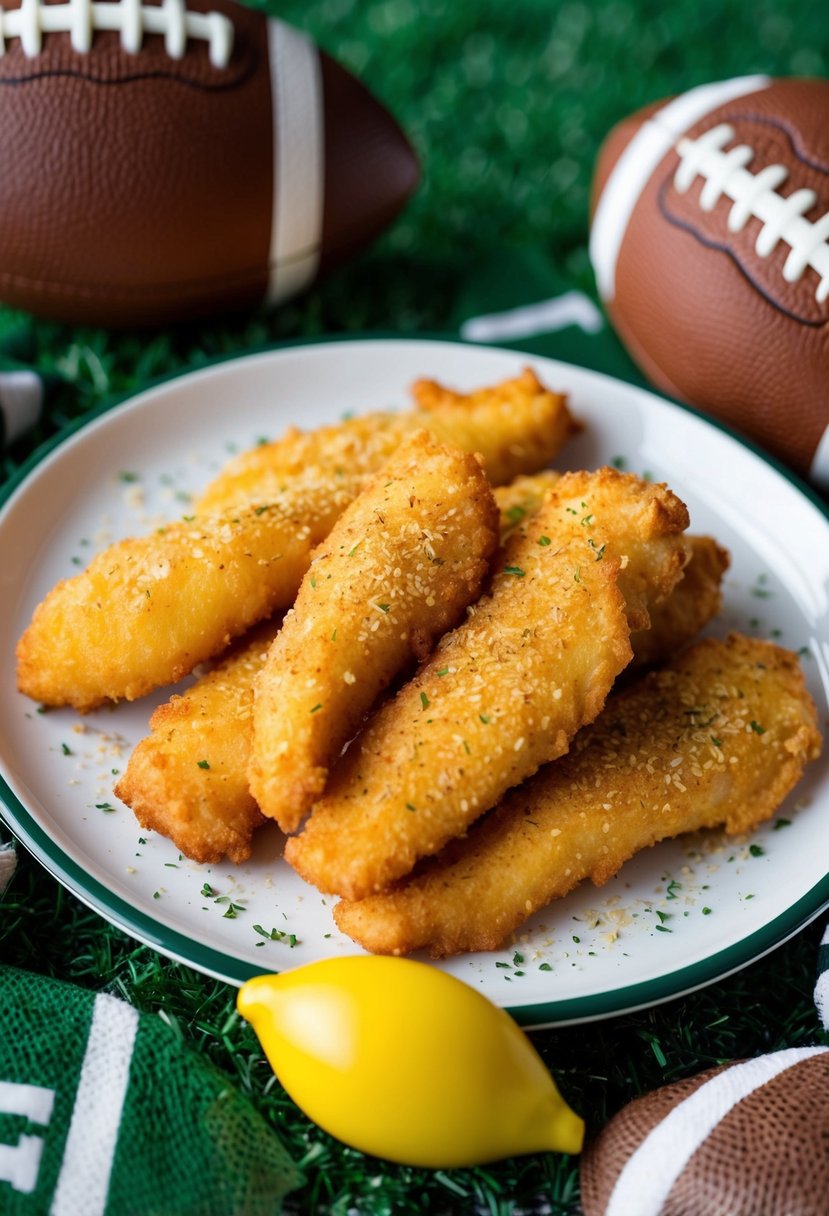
x=755, y=195
x=130, y=18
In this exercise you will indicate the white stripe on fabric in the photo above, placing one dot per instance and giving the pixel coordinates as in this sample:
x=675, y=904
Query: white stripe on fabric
x=298, y=161
x=634, y=167
x=21, y=400
x=649, y=1174
x=819, y=472
x=545, y=317
x=35, y=1102
x=822, y=988
x=83, y=1182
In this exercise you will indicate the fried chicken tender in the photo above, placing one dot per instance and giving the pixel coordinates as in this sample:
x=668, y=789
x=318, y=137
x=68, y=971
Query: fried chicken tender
x=188, y=778
x=396, y=571
x=504, y=692
x=717, y=738
x=522, y=498
x=677, y=619
x=167, y=803
x=145, y=612
x=518, y=426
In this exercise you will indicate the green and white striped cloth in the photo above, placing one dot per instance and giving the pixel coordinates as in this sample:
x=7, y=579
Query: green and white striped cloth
x=104, y=1112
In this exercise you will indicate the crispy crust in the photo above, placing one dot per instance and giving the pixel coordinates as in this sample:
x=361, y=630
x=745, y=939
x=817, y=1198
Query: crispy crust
x=145, y=612
x=518, y=426
x=676, y=752
x=506, y=691
x=397, y=570
x=188, y=778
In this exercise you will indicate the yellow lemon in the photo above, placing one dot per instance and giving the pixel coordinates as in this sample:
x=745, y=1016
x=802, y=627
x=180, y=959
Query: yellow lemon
x=403, y=1061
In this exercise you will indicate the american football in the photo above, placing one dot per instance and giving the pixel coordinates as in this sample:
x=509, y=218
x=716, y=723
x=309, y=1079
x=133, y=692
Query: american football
x=710, y=245
x=160, y=162
x=748, y=1137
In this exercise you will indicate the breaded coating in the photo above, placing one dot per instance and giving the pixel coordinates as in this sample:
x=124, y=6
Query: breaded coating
x=145, y=612
x=188, y=778
x=522, y=498
x=518, y=426
x=504, y=692
x=717, y=738
x=396, y=571
x=677, y=620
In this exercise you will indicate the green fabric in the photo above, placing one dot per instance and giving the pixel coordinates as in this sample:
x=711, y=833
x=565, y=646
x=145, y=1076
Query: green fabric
x=158, y=1133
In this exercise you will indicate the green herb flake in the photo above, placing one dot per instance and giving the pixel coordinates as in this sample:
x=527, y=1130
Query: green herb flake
x=384, y=607
x=485, y=718
x=545, y=967
x=410, y=807
x=104, y=806
x=782, y=823
x=717, y=742
x=515, y=571
x=619, y=462
x=663, y=929
x=127, y=477
x=207, y=891
x=501, y=964
x=518, y=958
x=66, y=749
x=577, y=575
x=544, y=541
x=757, y=728
x=663, y=916
x=204, y=764
x=756, y=850
x=515, y=514
x=314, y=709
x=577, y=940
x=444, y=671
x=424, y=701
x=351, y=552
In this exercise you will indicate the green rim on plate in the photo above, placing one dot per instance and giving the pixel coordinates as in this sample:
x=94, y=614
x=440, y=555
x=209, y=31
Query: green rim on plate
x=224, y=966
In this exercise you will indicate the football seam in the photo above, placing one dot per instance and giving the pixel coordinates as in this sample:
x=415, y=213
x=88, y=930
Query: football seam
x=711, y=243
x=201, y=86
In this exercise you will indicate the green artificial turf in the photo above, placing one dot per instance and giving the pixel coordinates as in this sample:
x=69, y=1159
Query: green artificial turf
x=506, y=104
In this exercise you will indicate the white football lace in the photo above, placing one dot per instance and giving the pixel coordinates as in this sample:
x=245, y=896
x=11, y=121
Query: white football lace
x=756, y=195
x=130, y=18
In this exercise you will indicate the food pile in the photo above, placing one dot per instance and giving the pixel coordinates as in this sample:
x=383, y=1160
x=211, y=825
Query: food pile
x=460, y=682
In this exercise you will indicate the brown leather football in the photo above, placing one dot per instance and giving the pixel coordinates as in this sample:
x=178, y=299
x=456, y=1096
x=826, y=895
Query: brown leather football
x=746, y=1139
x=161, y=161
x=710, y=245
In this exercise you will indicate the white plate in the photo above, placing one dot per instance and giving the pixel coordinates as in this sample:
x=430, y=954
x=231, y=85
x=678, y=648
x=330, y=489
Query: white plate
x=678, y=916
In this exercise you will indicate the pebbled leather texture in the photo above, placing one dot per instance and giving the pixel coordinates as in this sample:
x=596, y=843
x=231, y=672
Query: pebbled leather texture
x=137, y=189
x=706, y=318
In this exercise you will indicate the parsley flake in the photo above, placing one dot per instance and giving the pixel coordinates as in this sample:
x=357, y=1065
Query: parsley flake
x=204, y=763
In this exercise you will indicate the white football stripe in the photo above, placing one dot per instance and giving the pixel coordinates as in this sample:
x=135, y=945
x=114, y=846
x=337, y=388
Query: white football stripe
x=298, y=161
x=819, y=472
x=649, y=1174
x=545, y=317
x=822, y=988
x=83, y=1181
x=638, y=161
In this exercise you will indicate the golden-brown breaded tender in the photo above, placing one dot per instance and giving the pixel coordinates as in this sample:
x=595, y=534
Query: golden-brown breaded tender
x=396, y=571
x=677, y=619
x=718, y=737
x=521, y=498
x=518, y=426
x=188, y=778
x=145, y=612
x=504, y=692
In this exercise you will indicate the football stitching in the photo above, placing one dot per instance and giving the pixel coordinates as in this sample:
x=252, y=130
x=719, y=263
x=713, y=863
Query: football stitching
x=130, y=18
x=756, y=196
